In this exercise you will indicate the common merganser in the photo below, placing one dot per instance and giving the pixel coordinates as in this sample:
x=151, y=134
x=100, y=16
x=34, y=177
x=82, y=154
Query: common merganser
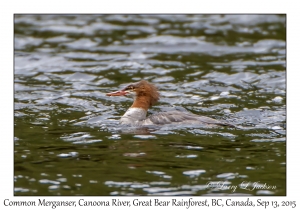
x=146, y=95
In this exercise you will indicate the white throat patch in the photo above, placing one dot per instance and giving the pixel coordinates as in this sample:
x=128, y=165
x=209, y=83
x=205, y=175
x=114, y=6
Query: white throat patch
x=133, y=116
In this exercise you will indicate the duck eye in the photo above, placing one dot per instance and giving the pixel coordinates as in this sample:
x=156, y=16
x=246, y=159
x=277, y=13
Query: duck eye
x=130, y=88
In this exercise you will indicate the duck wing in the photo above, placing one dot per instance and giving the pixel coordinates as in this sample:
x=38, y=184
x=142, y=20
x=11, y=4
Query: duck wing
x=182, y=117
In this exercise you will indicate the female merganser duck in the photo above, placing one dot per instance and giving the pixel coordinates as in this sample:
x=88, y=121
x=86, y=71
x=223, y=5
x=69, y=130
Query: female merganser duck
x=146, y=95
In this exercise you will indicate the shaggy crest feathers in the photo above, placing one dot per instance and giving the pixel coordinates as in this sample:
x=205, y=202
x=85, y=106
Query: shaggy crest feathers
x=144, y=88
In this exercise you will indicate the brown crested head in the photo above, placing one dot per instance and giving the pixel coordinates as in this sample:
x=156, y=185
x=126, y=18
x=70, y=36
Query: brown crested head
x=146, y=94
x=144, y=89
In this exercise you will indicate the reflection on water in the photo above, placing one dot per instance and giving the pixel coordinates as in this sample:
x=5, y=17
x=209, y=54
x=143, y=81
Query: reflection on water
x=228, y=67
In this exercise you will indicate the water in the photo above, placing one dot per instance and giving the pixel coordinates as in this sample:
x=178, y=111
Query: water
x=66, y=135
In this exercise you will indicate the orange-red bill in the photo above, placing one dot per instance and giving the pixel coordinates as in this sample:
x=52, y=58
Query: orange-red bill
x=117, y=93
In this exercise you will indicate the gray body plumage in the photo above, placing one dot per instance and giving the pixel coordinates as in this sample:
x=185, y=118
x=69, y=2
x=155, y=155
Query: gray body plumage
x=137, y=116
